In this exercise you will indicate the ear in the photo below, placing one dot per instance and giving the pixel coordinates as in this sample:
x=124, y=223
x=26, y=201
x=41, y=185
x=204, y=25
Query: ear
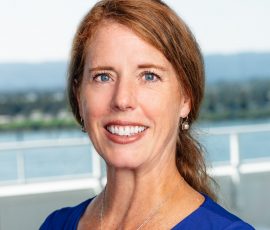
x=185, y=106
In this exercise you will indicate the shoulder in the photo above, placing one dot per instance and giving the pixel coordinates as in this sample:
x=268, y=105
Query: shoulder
x=221, y=217
x=211, y=215
x=65, y=218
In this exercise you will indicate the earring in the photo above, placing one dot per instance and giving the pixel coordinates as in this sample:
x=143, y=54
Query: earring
x=185, y=124
x=82, y=126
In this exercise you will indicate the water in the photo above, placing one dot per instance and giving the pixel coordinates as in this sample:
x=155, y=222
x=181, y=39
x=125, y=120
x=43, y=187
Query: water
x=252, y=145
x=72, y=161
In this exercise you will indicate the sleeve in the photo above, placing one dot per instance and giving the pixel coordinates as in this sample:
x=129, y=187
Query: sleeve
x=65, y=218
x=48, y=223
x=239, y=225
x=56, y=220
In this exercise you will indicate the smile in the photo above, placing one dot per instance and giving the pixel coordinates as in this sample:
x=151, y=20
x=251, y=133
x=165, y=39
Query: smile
x=125, y=130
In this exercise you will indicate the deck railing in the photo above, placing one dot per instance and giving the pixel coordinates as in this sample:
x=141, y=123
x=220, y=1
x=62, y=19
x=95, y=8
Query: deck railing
x=233, y=169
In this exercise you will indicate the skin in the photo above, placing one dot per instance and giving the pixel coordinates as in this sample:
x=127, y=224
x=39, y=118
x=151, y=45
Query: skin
x=127, y=79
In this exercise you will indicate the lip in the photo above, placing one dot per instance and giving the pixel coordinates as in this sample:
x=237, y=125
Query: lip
x=124, y=123
x=124, y=139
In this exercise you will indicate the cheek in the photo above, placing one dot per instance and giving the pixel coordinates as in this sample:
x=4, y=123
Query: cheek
x=161, y=103
x=93, y=105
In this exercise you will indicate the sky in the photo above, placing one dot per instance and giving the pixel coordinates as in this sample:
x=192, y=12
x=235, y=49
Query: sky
x=42, y=30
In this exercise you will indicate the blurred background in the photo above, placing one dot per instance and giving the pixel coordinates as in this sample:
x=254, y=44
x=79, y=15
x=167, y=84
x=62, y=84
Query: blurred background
x=46, y=162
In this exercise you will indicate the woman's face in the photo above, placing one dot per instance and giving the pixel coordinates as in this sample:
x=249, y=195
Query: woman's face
x=130, y=99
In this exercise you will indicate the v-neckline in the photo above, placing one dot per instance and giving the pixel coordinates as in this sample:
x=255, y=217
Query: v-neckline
x=87, y=202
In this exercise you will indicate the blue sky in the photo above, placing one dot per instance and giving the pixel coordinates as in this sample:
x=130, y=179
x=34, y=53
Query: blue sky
x=35, y=30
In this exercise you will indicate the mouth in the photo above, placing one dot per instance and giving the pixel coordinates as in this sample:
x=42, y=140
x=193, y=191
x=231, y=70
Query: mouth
x=125, y=132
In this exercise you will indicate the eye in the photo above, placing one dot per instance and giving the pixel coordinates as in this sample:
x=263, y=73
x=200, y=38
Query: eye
x=151, y=77
x=102, y=77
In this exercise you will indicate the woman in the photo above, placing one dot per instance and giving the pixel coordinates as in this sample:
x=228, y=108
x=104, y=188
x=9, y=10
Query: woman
x=136, y=82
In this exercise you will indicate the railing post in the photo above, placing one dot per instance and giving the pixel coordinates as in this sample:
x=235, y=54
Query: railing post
x=20, y=167
x=235, y=162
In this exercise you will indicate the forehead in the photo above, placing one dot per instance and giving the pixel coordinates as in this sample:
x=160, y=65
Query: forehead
x=112, y=40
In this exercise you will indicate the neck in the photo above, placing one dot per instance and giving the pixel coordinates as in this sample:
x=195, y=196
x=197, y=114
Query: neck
x=128, y=191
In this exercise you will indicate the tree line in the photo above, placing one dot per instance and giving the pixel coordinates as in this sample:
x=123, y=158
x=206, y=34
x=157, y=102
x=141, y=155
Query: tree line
x=222, y=101
x=237, y=100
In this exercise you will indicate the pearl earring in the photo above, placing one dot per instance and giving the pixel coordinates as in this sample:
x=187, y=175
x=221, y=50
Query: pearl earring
x=185, y=124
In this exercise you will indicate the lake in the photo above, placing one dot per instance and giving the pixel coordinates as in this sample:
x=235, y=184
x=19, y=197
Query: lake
x=65, y=161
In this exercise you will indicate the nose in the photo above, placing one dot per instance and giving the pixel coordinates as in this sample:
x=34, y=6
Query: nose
x=124, y=97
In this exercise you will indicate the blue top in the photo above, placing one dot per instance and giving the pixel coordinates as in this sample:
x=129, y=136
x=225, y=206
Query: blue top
x=208, y=216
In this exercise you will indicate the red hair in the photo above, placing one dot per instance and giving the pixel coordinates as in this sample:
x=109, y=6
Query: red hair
x=160, y=26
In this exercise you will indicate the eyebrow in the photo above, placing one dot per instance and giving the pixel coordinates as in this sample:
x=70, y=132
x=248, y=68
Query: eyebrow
x=141, y=66
x=98, y=68
x=149, y=66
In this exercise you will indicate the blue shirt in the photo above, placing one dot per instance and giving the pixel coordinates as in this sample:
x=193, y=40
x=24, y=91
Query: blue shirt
x=208, y=216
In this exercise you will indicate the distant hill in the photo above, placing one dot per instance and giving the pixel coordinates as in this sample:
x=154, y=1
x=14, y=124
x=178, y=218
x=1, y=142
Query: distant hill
x=33, y=76
x=237, y=67
x=52, y=75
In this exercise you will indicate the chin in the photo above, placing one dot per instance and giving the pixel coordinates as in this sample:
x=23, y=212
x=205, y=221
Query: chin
x=125, y=160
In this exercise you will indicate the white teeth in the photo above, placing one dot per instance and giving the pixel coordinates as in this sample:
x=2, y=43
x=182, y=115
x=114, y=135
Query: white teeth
x=121, y=131
x=111, y=129
x=125, y=130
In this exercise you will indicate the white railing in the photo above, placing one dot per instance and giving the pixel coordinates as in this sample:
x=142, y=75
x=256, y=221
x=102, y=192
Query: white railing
x=235, y=166
x=21, y=146
x=233, y=169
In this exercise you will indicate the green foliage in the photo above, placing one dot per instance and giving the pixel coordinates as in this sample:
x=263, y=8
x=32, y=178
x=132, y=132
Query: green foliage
x=223, y=101
x=237, y=100
x=38, y=124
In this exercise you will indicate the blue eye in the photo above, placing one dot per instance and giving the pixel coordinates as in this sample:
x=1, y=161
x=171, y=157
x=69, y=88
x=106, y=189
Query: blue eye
x=102, y=77
x=150, y=77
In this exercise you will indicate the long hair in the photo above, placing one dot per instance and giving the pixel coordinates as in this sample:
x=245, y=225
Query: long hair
x=157, y=24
